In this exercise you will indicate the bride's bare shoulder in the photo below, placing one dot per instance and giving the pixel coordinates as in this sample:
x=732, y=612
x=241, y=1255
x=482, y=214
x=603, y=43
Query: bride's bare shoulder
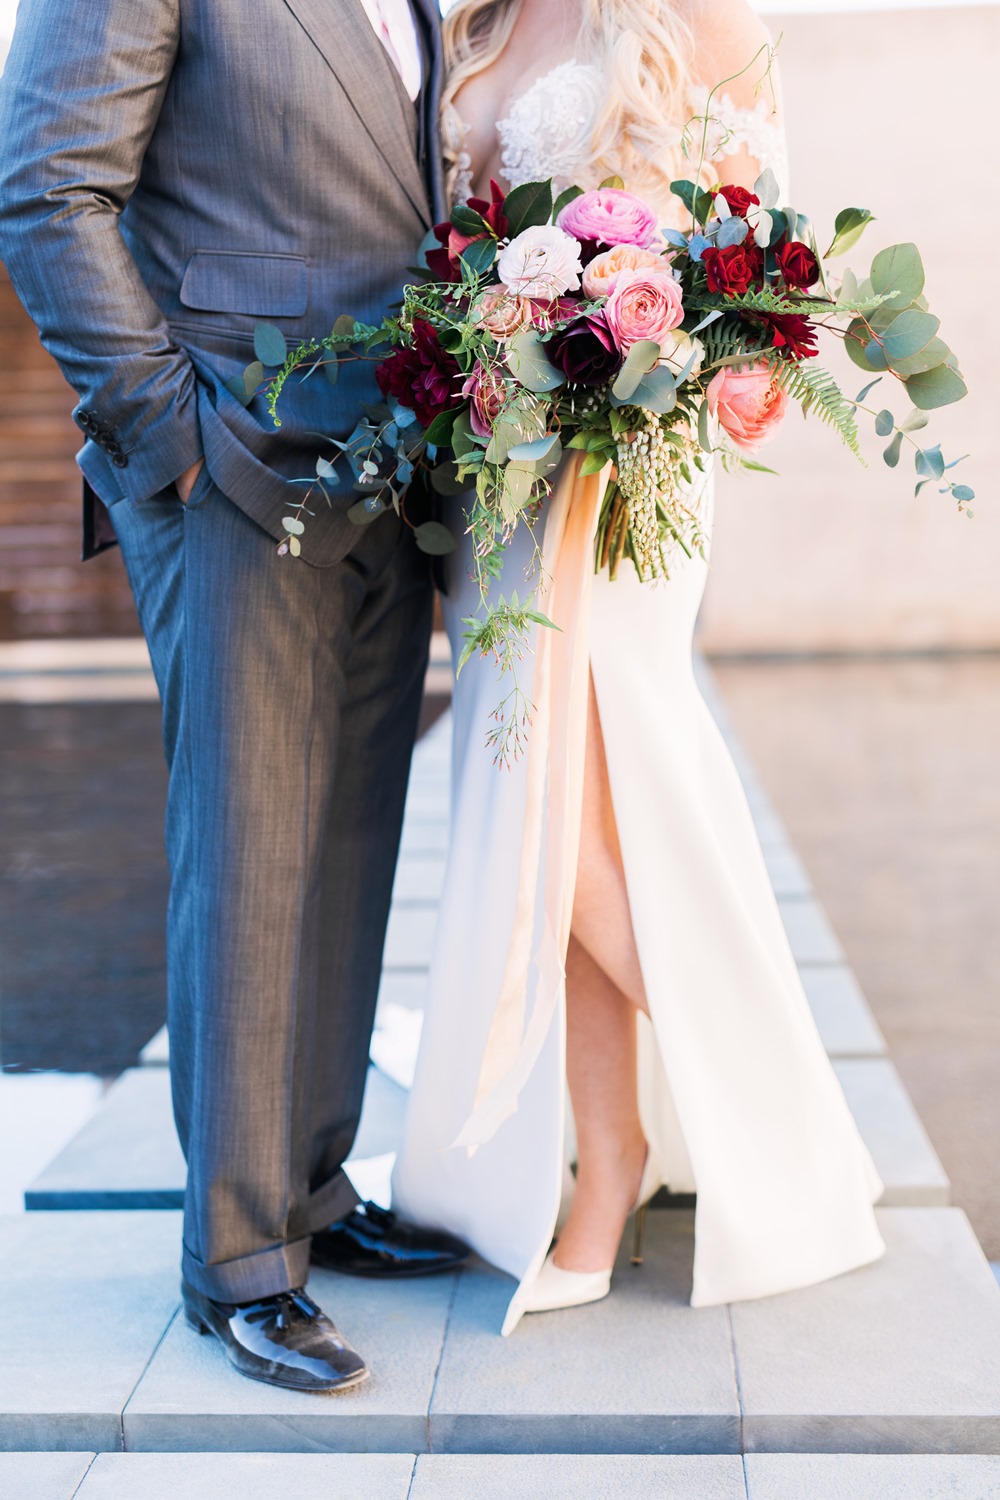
x=727, y=35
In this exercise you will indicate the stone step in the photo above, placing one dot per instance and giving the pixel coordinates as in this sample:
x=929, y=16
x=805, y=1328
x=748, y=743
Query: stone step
x=899, y=1357
x=127, y=1155
x=562, y=1476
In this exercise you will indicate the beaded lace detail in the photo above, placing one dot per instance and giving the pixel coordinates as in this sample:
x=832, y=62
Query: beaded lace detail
x=547, y=131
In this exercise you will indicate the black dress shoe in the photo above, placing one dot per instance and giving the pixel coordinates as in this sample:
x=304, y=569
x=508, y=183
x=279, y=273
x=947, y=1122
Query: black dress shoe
x=372, y=1241
x=283, y=1340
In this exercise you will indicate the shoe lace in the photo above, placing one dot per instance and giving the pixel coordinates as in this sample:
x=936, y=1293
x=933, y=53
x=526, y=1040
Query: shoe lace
x=284, y=1308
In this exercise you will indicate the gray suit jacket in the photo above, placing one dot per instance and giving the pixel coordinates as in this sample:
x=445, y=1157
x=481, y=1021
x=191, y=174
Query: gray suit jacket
x=173, y=172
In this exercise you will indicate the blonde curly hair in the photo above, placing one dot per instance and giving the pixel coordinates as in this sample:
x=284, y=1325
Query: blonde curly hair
x=642, y=47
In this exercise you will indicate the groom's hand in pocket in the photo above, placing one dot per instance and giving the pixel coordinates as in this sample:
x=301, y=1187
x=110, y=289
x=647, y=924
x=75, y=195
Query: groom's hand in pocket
x=187, y=481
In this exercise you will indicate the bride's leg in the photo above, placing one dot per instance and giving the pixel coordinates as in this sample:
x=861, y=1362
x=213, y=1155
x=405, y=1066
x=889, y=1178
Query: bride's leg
x=602, y=921
x=603, y=989
x=601, y=1071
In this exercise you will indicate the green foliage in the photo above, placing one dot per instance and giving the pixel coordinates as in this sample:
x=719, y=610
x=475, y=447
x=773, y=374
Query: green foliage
x=528, y=205
x=848, y=228
x=816, y=391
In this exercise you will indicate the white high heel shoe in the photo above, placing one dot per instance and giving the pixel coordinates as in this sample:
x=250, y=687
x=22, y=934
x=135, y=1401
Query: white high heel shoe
x=555, y=1288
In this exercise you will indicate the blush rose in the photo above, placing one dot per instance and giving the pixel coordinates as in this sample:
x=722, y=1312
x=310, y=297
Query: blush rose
x=542, y=261
x=501, y=312
x=645, y=304
x=749, y=405
x=603, y=271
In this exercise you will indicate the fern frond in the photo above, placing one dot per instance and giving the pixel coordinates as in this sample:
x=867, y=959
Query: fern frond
x=816, y=391
x=728, y=337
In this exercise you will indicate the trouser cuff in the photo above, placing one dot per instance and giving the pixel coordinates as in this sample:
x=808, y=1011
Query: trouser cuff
x=262, y=1274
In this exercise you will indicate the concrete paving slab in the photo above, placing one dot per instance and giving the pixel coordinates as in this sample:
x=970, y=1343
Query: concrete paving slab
x=787, y=872
x=85, y=1302
x=191, y=1398
x=869, y=1476
x=410, y=937
x=249, y=1476
x=42, y=1476
x=419, y=877
x=900, y=1356
x=900, y=1146
x=128, y=1156
x=638, y=1373
x=812, y=939
x=843, y=1015
x=570, y=1476
x=156, y=1053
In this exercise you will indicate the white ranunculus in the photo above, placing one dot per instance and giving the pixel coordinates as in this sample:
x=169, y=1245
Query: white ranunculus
x=543, y=261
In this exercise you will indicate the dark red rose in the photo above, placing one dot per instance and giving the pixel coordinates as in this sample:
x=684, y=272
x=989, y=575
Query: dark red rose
x=797, y=264
x=585, y=352
x=735, y=269
x=423, y=377
x=443, y=263
x=738, y=198
x=792, y=333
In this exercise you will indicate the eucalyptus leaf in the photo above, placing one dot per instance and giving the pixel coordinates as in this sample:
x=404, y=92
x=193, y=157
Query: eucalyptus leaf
x=294, y=546
x=712, y=316
x=292, y=525
x=963, y=492
x=364, y=512
x=898, y=269
x=929, y=462
x=938, y=387
x=732, y=232
x=766, y=189
x=908, y=333
x=434, y=539
x=528, y=364
x=331, y=369
x=237, y=386
x=866, y=390
x=527, y=205
x=270, y=344
x=656, y=392
x=538, y=448
x=464, y=442
x=325, y=469
x=675, y=237
x=891, y=452
x=697, y=245
x=884, y=423
x=344, y=327
x=914, y=422
x=642, y=356
x=252, y=377
x=704, y=431
x=933, y=354
x=720, y=207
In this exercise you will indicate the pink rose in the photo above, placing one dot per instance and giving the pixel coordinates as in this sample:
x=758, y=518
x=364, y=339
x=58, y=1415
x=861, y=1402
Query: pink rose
x=645, y=304
x=748, y=403
x=611, y=216
x=502, y=313
x=604, y=270
x=487, y=392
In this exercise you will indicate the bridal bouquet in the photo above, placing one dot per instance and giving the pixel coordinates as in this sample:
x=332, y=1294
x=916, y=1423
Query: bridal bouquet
x=543, y=324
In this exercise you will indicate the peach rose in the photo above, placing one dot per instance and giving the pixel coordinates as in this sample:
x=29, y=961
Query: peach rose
x=603, y=271
x=501, y=312
x=748, y=403
x=645, y=304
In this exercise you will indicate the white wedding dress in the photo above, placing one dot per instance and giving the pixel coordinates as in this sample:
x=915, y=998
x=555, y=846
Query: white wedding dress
x=737, y=1097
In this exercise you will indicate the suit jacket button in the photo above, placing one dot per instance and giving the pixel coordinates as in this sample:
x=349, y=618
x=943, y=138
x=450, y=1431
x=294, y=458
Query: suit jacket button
x=120, y=460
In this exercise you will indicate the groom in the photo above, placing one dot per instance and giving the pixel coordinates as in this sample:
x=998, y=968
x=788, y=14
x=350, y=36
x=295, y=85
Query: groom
x=173, y=172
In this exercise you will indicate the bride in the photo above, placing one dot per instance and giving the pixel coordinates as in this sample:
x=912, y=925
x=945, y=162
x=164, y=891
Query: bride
x=607, y=923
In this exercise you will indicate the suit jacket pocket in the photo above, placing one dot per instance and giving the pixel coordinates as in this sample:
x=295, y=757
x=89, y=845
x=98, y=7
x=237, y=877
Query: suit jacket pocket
x=258, y=286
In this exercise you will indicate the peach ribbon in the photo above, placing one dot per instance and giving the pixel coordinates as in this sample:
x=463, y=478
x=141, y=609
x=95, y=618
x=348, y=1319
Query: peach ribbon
x=554, y=773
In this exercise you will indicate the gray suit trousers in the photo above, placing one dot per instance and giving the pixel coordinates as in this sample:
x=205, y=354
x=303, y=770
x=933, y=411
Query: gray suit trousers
x=288, y=743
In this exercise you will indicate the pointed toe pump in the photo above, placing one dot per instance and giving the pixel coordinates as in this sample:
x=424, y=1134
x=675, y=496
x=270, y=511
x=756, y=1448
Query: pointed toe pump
x=556, y=1288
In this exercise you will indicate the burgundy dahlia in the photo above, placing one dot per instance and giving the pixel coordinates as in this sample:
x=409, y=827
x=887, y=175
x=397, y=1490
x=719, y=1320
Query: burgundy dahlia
x=585, y=352
x=423, y=377
x=792, y=333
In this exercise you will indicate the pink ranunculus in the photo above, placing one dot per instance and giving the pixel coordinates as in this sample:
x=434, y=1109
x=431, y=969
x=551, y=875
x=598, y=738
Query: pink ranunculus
x=645, y=304
x=604, y=270
x=748, y=403
x=487, y=392
x=541, y=261
x=611, y=216
x=501, y=312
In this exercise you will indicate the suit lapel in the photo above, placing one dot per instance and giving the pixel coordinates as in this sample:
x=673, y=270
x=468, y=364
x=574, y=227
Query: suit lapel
x=343, y=35
x=428, y=17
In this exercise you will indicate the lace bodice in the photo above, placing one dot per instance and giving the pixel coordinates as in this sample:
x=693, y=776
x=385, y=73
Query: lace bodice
x=548, y=128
